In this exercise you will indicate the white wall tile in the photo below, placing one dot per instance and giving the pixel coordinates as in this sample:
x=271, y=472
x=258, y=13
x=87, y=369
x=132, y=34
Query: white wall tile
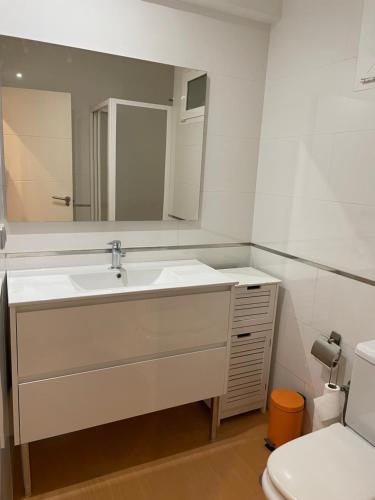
x=228, y=214
x=281, y=377
x=346, y=306
x=235, y=107
x=314, y=34
x=279, y=166
x=353, y=167
x=296, y=166
x=271, y=218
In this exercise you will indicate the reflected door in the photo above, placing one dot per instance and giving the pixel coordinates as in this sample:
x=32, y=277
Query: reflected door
x=38, y=154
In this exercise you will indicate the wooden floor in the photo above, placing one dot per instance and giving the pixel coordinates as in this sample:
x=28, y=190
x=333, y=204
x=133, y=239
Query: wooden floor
x=161, y=456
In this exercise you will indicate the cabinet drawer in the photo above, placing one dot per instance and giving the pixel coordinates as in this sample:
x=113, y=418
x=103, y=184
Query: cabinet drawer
x=69, y=403
x=248, y=358
x=238, y=398
x=245, y=379
x=250, y=350
x=59, y=341
x=253, y=305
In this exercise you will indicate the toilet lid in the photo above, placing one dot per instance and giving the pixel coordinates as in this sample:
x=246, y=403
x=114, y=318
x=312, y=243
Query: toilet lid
x=332, y=463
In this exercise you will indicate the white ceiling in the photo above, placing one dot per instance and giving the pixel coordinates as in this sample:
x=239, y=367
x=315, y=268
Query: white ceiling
x=267, y=11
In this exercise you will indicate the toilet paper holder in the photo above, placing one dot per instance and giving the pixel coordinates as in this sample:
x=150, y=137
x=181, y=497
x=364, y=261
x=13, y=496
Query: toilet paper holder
x=328, y=351
x=335, y=338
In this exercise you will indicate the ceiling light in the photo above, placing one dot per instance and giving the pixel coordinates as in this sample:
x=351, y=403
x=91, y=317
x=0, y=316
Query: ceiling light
x=19, y=75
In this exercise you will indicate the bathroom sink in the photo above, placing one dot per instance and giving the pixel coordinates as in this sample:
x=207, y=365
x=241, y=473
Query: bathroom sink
x=40, y=285
x=113, y=278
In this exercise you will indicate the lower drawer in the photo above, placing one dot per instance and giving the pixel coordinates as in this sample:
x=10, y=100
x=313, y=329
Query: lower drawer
x=65, y=404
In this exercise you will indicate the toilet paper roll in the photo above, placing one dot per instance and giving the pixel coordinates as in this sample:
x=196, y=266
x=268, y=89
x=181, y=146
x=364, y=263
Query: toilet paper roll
x=331, y=388
x=327, y=408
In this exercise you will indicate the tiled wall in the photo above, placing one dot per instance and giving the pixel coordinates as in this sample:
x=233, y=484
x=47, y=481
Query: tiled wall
x=314, y=302
x=235, y=56
x=316, y=187
x=316, y=181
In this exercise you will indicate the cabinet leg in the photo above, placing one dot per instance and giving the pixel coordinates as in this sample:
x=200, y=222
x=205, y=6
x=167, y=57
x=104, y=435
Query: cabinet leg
x=26, y=473
x=214, y=417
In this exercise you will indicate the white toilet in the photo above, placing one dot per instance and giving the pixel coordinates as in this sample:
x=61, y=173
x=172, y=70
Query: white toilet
x=335, y=463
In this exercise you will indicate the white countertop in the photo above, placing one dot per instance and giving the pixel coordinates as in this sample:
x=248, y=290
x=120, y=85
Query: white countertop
x=60, y=284
x=250, y=276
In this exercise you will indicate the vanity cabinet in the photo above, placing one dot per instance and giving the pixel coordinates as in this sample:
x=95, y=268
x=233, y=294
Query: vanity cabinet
x=252, y=330
x=82, y=363
x=90, y=345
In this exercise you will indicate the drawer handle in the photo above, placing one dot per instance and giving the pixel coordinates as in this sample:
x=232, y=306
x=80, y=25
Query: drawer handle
x=243, y=335
x=253, y=287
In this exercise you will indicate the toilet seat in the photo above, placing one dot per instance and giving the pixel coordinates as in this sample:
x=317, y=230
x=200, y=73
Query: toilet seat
x=269, y=488
x=334, y=463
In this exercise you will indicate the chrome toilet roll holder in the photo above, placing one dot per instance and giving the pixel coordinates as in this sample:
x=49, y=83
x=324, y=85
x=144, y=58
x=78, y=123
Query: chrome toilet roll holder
x=328, y=351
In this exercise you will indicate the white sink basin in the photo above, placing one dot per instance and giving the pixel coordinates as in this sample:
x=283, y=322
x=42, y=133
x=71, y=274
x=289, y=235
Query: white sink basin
x=113, y=278
x=40, y=285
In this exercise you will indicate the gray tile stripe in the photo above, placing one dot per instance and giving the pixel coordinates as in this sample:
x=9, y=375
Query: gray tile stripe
x=312, y=263
x=55, y=253
x=308, y=262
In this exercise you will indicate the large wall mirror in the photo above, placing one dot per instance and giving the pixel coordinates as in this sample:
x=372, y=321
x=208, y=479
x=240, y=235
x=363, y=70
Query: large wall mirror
x=93, y=136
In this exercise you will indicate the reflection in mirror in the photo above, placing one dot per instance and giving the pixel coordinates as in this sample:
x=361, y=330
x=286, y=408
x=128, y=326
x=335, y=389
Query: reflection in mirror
x=92, y=136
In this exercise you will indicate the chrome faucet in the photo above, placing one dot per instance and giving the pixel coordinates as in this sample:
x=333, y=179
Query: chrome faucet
x=117, y=254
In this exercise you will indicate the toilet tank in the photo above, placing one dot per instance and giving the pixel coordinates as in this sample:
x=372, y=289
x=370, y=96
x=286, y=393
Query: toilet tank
x=360, y=415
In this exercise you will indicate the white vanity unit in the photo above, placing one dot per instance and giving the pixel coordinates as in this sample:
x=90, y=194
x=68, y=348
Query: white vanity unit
x=253, y=324
x=91, y=345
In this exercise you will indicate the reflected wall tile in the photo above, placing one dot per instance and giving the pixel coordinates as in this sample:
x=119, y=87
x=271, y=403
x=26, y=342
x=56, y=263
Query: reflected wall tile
x=231, y=164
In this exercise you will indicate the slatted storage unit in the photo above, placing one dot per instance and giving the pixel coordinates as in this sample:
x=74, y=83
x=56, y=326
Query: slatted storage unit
x=251, y=347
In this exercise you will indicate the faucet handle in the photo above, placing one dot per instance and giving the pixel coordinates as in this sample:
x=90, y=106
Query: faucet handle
x=116, y=244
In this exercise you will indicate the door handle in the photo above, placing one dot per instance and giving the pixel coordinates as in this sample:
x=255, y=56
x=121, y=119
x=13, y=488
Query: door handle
x=67, y=199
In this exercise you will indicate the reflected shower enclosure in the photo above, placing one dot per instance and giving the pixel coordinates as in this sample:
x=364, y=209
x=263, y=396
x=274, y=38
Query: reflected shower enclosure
x=130, y=167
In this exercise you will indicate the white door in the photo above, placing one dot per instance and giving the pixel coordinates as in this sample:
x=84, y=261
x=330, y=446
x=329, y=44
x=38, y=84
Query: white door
x=38, y=154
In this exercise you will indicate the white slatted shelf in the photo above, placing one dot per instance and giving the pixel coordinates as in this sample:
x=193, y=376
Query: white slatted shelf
x=252, y=334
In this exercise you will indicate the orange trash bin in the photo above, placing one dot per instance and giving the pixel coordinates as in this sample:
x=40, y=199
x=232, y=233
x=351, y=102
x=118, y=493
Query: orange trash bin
x=285, y=416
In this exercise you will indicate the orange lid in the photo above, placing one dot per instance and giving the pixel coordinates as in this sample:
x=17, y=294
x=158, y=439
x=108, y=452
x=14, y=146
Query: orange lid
x=287, y=400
